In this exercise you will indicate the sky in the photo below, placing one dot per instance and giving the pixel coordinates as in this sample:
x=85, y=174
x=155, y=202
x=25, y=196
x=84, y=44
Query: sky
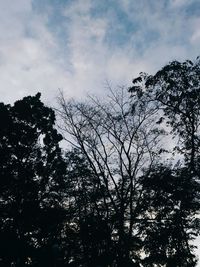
x=79, y=46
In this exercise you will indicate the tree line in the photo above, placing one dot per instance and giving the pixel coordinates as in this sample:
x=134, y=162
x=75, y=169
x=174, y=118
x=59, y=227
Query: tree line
x=125, y=192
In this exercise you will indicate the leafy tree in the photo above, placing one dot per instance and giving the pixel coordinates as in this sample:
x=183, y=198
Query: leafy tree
x=31, y=175
x=174, y=192
x=170, y=224
x=175, y=89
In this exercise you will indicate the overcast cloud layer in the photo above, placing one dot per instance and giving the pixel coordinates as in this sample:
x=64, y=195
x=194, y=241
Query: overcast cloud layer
x=78, y=45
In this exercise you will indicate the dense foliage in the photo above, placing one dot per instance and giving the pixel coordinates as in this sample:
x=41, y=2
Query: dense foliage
x=31, y=174
x=126, y=193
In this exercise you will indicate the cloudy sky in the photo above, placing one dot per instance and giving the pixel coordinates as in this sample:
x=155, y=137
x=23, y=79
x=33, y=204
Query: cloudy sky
x=79, y=45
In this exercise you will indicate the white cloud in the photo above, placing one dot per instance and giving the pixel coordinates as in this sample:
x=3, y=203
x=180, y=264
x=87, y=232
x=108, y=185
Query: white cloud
x=32, y=59
x=195, y=36
x=27, y=61
x=180, y=3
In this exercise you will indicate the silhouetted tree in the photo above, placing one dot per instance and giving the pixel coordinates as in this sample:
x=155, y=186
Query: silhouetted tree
x=174, y=192
x=169, y=224
x=118, y=142
x=175, y=89
x=31, y=175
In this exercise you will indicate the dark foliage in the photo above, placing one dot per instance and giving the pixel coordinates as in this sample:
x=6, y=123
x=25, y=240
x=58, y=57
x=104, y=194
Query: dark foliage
x=31, y=175
x=112, y=200
x=173, y=193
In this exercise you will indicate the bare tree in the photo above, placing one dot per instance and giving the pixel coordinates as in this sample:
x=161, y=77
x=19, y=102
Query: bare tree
x=120, y=141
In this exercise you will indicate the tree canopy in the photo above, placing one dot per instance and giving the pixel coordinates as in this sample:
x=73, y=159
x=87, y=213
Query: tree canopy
x=32, y=172
x=124, y=192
